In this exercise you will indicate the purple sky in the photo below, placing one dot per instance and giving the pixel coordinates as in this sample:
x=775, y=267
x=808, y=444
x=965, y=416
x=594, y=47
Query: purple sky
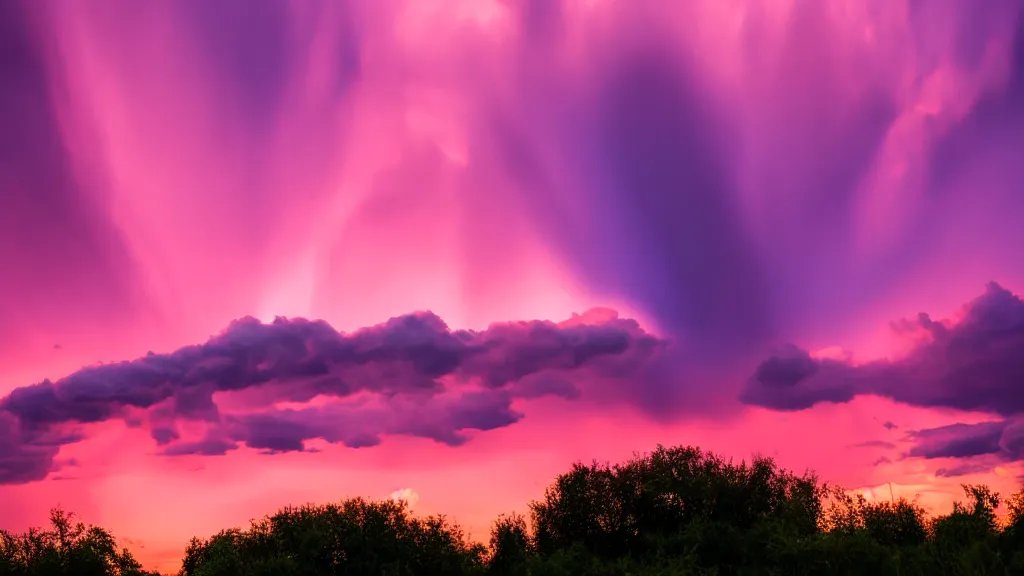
x=795, y=226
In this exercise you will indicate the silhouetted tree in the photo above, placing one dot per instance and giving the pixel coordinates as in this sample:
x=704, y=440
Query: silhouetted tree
x=352, y=538
x=674, y=512
x=676, y=502
x=510, y=546
x=1011, y=539
x=67, y=548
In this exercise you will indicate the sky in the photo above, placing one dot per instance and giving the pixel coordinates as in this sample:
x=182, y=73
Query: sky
x=261, y=252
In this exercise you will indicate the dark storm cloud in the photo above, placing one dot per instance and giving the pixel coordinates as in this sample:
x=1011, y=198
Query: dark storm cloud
x=976, y=364
x=958, y=440
x=440, y=418
x=981, y=446
x=205, y=447
x=963, y=469
x=973, y=364
x=21, y=459
x=399, y=363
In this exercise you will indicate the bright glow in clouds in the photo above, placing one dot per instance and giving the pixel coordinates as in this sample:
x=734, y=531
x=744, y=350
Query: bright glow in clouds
x=761, y=189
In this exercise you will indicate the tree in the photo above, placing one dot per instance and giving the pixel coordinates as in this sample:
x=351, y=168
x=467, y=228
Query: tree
x=510, y=546
x=351, y=538
x=67, y=548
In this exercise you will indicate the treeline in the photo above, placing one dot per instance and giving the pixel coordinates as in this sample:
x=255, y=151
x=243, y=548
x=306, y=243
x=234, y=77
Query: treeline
x=673, y=512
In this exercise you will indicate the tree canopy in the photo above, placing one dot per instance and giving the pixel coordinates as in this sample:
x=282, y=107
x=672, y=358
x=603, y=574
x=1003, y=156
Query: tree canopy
x=672, y=512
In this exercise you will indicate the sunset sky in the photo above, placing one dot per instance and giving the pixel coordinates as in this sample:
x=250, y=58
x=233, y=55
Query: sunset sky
x=500, y=236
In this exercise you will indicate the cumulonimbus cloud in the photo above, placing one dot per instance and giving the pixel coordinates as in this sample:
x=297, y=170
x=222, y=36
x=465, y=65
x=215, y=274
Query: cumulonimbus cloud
x=411, y=375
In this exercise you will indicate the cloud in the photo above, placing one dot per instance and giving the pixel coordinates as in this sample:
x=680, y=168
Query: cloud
x=407, y=495
x=975, y=363
x=979, y=447
x=958, y=440
x=874, y=444
x=439, y=417
x=22, y=459
x=411, y=375
x=963, y=469
x=209, y=446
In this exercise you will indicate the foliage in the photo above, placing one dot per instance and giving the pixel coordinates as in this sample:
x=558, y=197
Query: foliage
x=674, y=512
x=353, y=538
x=68, y=548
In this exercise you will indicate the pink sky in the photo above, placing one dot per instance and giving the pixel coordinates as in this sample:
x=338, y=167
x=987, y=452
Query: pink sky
x=735, y=175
